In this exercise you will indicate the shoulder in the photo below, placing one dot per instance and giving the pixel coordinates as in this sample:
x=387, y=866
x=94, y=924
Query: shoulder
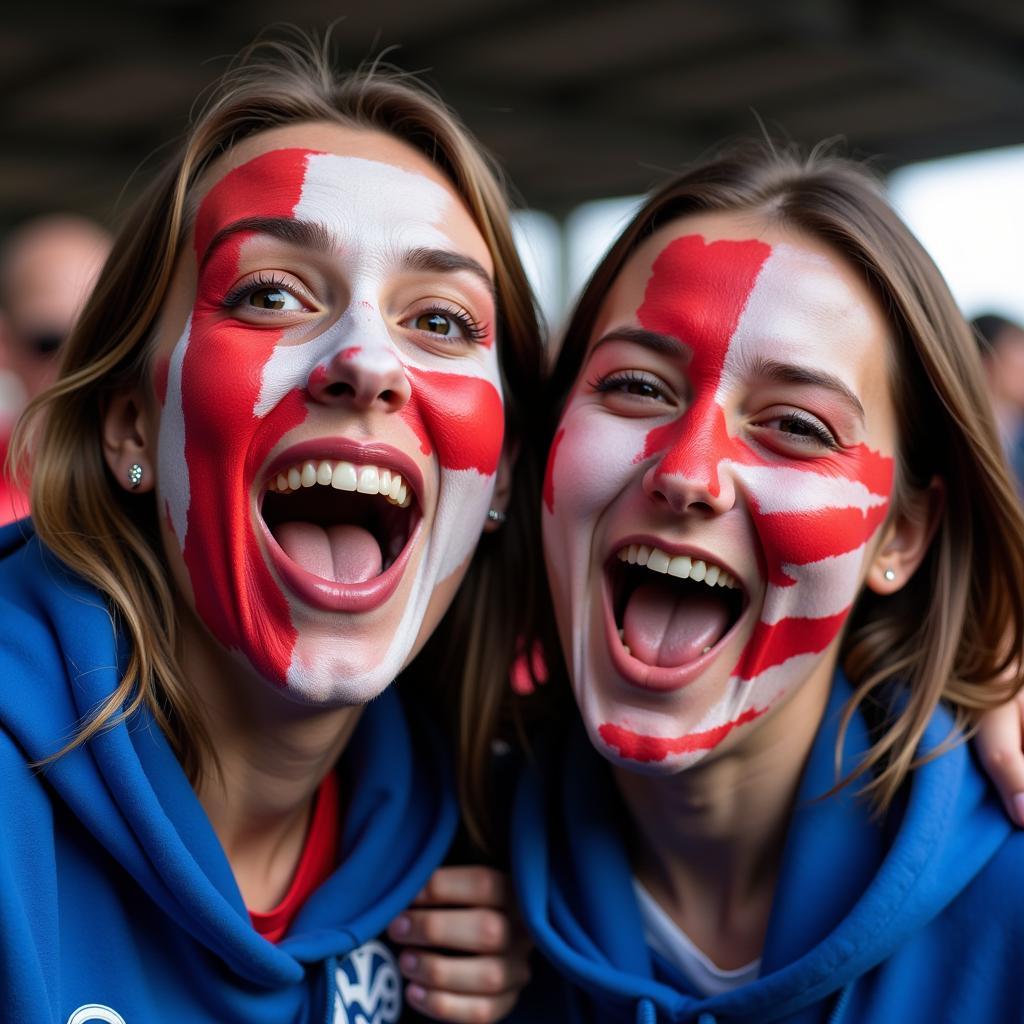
x=996, y=894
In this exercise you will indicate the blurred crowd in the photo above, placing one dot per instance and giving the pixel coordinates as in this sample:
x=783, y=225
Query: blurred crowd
x=48, y=266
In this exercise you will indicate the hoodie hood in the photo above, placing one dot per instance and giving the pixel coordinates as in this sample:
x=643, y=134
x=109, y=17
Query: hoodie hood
x=851, y=890
x=62, y=655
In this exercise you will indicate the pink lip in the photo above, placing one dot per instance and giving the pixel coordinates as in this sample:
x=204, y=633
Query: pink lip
x=652, y=677
x=340, y=448
x=330, y=595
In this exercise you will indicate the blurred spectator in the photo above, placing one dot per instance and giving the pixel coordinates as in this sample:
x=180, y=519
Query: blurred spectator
x=47, y=268
x=1002, y=350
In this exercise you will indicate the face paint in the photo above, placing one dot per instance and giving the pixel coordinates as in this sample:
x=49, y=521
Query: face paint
x=244, y=402
x=735, y=305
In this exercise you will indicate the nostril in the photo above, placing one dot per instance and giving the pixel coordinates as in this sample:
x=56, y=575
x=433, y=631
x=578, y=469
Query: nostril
x=338, y=389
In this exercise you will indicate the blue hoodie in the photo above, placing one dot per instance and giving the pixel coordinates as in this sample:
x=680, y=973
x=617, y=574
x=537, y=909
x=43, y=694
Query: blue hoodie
x=915, y=918
x=117, y=903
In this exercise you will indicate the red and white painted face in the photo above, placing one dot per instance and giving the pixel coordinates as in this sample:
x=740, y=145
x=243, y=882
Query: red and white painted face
x=716, y=487
x=331, y=413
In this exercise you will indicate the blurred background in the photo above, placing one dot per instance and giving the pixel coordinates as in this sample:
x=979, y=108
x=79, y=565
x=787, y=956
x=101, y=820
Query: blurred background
x=586, y=104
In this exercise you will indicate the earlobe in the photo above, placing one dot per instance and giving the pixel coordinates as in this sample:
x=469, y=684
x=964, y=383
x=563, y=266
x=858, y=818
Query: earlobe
x=496, y=514
x=906, y=540
x=126, y=446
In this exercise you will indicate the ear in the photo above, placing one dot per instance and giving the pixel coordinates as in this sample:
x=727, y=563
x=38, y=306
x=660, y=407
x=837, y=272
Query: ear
x=502, y=485
x=127, y=446
x=906, y=539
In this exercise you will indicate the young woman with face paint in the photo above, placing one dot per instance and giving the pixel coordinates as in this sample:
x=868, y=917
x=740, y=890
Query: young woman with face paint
x=280, y=430
x=784, y=554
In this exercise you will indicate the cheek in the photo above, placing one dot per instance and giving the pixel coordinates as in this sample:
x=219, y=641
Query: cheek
x=462, y=417
x=593, y=457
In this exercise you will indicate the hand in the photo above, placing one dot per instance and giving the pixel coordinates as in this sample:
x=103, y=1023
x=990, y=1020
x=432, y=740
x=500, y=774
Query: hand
x=467, y=910
x=1000, y=746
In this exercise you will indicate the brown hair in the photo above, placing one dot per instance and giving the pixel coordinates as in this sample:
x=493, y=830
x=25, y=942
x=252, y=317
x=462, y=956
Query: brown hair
x=955, y=630
x=111, y=538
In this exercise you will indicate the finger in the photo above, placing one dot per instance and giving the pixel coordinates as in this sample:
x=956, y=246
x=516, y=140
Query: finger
x=999, y=745
x=449, y=1006
x=465, y=975
x=479, y=930
x=471, y=886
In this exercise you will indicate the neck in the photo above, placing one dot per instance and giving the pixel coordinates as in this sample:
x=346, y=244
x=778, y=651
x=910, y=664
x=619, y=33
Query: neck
x=271, y=756
x=710, y=838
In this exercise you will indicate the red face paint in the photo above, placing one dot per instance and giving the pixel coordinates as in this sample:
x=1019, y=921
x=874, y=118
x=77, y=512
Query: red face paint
x=225, y=443
x=463, y=416
x=636, y=747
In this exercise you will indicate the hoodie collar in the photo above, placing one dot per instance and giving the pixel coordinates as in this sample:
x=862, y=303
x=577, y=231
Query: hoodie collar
x=850, y=889
x=128, y=790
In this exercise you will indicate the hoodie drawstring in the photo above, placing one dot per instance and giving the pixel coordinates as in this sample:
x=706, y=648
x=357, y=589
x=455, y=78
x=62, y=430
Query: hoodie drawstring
x=842, y=1001
x=646, y=1013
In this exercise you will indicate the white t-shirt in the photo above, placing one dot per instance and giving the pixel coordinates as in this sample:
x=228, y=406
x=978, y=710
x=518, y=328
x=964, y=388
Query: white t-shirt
x=669, y=941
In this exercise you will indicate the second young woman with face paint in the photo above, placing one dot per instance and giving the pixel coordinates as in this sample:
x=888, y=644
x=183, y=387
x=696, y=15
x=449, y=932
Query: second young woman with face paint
x=784, y=554
x=257, y=486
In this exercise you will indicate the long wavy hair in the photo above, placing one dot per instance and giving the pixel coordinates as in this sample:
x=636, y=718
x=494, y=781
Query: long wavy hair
x=111, y=538
x=955, y=631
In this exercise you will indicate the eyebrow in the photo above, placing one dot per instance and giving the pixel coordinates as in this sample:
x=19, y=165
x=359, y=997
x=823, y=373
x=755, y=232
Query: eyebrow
x=304, y=233
x=314, y=235
x=662, y=344
x=441, y=261
x=790, y=373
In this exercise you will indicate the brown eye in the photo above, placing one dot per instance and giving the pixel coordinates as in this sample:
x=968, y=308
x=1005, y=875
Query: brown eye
x=273, y=298
x=433, y=323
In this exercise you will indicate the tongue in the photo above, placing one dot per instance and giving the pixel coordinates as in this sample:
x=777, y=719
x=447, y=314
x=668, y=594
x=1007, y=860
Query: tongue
x=345, y=554
x=667, y=627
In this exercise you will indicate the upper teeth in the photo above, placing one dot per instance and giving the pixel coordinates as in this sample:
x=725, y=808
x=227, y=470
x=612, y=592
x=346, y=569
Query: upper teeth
x=682, y=566
x=344, y=476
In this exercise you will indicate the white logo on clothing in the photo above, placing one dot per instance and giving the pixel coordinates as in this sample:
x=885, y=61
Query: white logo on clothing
x=368, y=989
x=92, y=1012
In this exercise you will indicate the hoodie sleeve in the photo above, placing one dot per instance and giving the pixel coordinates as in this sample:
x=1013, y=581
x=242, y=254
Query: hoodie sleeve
x=29, y=925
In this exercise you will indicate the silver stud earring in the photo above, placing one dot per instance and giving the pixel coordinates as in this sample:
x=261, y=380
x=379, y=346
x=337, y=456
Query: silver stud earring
x=495, y=515
x=890, y=574
x=134, y=475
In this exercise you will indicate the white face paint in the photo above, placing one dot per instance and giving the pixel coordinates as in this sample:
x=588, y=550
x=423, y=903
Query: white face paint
x=730, y=413
x=342, y=319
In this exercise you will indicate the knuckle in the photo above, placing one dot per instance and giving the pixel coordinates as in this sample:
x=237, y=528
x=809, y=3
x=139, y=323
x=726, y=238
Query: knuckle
x=481, y=1011
x=432, y=971
x=494, y=977
x=494, y=930
x=996, y=756
x=432, y=929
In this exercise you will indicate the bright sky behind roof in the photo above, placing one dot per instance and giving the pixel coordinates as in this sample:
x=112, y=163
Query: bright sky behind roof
x=967, y=210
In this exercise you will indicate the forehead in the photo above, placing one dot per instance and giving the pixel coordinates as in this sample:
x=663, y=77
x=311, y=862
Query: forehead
x=358, y=183
x=796, y=297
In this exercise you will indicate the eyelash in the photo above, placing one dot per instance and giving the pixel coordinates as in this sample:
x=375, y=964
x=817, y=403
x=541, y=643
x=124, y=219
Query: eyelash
x=813, y=429
x=620, y=381
x=239, y=292
x=473, y=329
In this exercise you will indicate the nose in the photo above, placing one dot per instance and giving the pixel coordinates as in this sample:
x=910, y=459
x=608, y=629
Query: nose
x=364, y=377
x=689, y=476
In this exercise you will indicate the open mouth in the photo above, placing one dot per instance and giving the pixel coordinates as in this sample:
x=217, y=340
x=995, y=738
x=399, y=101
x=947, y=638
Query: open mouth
x=341, y=530
x=671, y=612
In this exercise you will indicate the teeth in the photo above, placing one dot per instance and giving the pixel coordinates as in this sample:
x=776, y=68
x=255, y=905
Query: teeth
x=344, y=476
x=369, y=480
x=658, y=561
x=682, y=566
